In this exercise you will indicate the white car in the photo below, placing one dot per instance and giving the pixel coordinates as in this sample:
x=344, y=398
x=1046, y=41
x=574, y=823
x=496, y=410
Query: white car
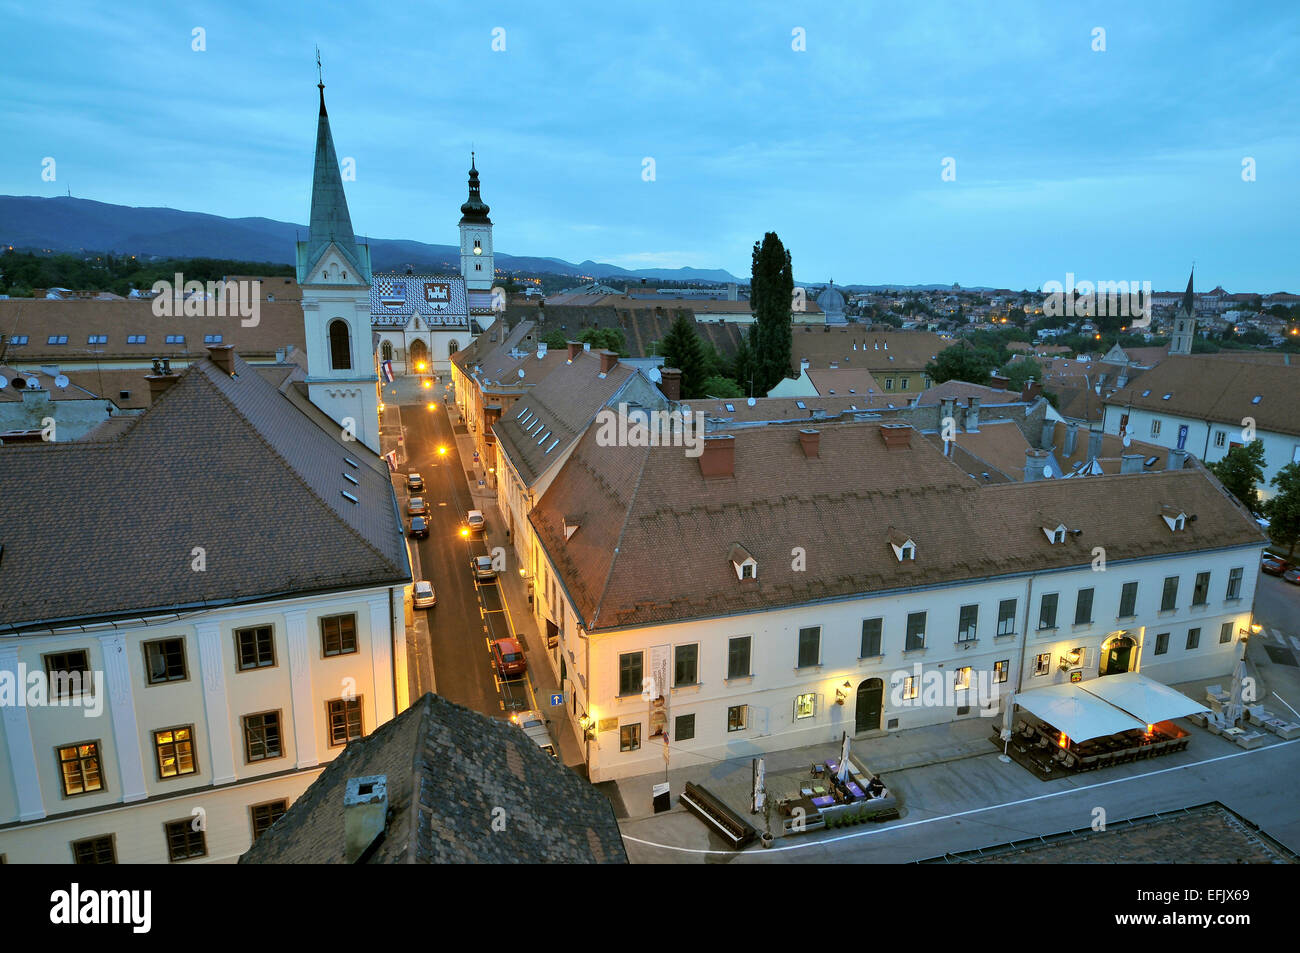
x=474, y=520
x=534, y=727
x=424, y=597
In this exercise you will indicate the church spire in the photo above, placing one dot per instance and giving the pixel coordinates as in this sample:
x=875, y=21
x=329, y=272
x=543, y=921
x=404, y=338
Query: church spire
x=330, y=221
x=1188, y=300
x=475, y=210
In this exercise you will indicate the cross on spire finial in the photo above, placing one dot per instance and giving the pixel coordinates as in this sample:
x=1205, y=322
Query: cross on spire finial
x=320, y=76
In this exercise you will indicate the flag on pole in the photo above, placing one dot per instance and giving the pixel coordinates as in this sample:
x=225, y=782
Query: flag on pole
x=386, y=368
x=391, y=457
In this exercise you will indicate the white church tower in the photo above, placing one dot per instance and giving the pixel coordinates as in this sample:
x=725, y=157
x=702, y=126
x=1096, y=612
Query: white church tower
x=1184, y=322
x=476, y=262
x=334, y=274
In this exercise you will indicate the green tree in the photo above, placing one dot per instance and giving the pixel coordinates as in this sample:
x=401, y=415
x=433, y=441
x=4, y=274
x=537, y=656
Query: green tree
x=742, y=364
x=555, y=338
x=610, y=339
x=681, y=349
x=1020, y=371
x=718, y=386
x=962, y=362
x=1283, y=510
x=1240, y=471
x=771, y=293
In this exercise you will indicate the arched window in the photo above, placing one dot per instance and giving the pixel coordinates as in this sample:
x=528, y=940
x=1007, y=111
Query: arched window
x=452, y=347
x=340, y=346
x=386, y=349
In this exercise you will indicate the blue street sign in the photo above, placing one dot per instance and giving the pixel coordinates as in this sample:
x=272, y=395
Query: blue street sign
x=557, y=700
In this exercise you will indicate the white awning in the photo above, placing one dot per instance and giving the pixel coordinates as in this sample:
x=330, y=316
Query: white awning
x=1079, y=714
x=1142, y=697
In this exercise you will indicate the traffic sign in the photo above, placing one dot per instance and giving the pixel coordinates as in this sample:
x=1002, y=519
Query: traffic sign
x=556, y=700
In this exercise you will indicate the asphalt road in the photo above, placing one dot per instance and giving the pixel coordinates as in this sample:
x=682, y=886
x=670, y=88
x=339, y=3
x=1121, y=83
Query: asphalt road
x=468, y=614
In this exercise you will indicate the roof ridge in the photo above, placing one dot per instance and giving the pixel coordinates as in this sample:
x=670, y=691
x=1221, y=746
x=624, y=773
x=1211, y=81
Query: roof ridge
x=293, y=471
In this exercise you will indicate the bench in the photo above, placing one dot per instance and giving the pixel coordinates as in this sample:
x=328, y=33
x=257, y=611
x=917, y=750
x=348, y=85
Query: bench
x=723, y=820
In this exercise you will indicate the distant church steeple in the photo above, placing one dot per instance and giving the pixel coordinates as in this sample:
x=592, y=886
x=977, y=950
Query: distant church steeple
x=476, y=260
x=1185, y=321
x=334, y=275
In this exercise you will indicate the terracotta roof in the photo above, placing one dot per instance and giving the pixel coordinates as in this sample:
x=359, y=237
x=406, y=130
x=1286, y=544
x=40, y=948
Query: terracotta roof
x=450, y=773
x=783, y=408
x=250, y=472
x=557, y=410
x=960, y=390
x=854, y=345
x=998, y=445
x=854, y=381
x=1219, y=391
x=653, y=547
x=1112, y=450
x=279, y=323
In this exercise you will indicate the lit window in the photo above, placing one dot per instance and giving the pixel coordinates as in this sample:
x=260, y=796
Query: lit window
x=805, y=706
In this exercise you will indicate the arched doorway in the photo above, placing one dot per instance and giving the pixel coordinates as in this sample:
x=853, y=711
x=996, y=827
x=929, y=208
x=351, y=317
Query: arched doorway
x=871, y=695
x=1117, y=655
x=419, y=355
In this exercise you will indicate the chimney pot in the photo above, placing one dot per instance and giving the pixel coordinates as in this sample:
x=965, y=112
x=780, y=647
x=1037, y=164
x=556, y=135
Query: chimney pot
x=999, y=381
x=1131, y=463
x=896, y=436
x=810, y=441
x=973, y=415
x=1177, y=460
x=608, y=361
x=1094, y=444
x=1033, y=390
x=575, y=348
x=223, y=355
x=1035, y=462
x=1071, y=438
x=670, y=383
x=719, y=457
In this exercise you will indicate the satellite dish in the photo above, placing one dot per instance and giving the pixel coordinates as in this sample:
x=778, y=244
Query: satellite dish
x=751, y=402
x=655, y=376
x=34, y=383
x=4, y=382
x=61, y=380
x=521, y=373
x=1127, y=440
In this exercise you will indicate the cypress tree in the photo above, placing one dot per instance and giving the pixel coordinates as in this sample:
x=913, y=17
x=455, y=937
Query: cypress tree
x=681, y=349
x=771, y=293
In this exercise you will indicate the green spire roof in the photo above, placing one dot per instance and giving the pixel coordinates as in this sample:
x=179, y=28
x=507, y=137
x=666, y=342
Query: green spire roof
x=330, y=221
x=475, y=210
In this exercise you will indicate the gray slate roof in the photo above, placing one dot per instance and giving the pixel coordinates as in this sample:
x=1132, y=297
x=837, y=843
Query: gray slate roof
x=448, y=769
x=247, y=470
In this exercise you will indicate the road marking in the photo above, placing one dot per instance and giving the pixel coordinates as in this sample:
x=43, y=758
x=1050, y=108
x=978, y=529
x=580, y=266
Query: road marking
x=972, y=811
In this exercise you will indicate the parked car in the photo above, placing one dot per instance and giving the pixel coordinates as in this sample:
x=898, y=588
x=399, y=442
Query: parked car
x=482, y=568
x=474, y=520
x=419, y=528
x=424, y=597
x=534, y=726
x=414, y=482
x=416, y=506
x=508, y=658
x=1292, y=575
x=1274, y=565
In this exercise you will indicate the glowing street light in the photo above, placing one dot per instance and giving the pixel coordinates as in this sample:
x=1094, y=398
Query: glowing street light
x=430, y=405
x=442, y=451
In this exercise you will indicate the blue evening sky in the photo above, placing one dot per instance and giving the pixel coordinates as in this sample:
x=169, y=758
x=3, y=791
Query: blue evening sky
x=1122, y=164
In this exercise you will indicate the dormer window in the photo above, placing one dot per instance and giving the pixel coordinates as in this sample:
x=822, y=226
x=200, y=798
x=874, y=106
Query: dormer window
x=1055, y=534
x=903, y=545
x=1174, y=518
x=571, y=524
x=745, y=565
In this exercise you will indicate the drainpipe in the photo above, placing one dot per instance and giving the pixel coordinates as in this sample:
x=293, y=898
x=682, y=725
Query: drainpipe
x=392, y=650
x=1024, y=635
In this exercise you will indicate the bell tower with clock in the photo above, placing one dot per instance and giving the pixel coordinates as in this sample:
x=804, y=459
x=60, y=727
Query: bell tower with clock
x=476, y=262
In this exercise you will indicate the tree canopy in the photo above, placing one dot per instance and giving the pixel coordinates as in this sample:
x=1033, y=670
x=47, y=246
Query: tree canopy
x=1241, y=469
x=771, y=294
x=1283, y=510
x=682, y=349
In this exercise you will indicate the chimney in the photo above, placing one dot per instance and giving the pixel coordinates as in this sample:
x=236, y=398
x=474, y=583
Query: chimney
x=1131, y=463
x=575, y=348
x=810, y=441
x=1094, y=444
x=1122, y=381
x=671, y=383
x=973, y=416
x=804, y=364
x=1035, y=461
x=608, y=361
x=1071, y=438
x=999, y=381
x=541, y=350
x=945, y=410
x=223, y=355
x=161, y=379
x=1033, y=390
x=1177, y=460
x=1049, y=434
x=365, y=815
x=719, y=457
x=896, y=436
